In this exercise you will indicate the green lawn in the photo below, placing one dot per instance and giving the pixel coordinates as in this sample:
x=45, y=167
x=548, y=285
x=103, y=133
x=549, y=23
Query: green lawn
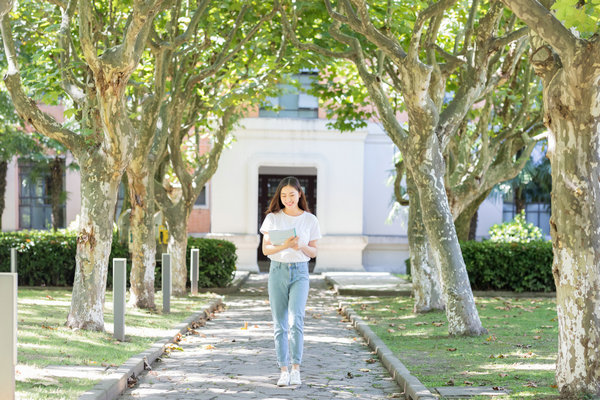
x=518, y=354
x=44, y=340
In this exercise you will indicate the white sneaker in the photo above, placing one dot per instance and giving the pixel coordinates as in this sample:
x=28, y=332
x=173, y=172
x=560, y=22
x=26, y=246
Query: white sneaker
x=284, y=379
x=295, y=377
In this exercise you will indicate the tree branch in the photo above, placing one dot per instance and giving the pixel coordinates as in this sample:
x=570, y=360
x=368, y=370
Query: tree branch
x=541, y=21
x=26, y=107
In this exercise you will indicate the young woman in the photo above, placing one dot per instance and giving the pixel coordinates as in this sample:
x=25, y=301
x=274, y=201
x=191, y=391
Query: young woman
x=288, y=273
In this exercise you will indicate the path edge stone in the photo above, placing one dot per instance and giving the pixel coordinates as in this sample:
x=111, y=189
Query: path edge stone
x=113, y=385
x=413, y=388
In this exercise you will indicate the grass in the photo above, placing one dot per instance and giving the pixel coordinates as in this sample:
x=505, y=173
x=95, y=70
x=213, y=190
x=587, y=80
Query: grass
x=518, y=353
x=44, y=340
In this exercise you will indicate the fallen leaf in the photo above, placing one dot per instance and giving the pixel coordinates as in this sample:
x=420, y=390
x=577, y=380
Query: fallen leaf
x=364, y=370
x=255, y=326
x=468, y=383
x=531, y=384
x=451, y=349
x=420, y=323
x=245, y=327
x=438, y=324
x=391, y=330
x=537, y=337
x=450, y=382
x=392, y=324
x=350, y=375
x=554, y=386
x=496, y=388
x=370, y=360
x=502, y=374
x=209, y=347
x=49, y=297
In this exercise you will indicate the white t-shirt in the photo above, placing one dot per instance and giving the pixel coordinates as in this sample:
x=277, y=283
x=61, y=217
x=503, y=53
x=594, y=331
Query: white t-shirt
x=307, y=229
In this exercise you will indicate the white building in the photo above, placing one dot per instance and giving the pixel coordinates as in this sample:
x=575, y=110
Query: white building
x=345, y=178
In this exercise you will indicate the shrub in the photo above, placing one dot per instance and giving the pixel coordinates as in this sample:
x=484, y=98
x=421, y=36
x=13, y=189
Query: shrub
x=48, y=258
x=519, y=267
x=217, y=261
x=517, y=230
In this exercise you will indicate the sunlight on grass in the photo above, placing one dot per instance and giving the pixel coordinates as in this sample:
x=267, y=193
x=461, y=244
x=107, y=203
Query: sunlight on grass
x=518, y=353
x=44, y=340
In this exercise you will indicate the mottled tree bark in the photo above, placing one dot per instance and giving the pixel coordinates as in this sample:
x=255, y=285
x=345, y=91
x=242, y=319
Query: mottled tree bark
x=427, y=288
x=177, y=218
x=569, y=67
x=142, y=245
x=428, y=171
x=104, y=141
x=99, y=185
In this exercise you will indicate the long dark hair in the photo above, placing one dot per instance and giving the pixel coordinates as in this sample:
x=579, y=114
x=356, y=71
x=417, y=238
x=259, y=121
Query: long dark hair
x=276, y=205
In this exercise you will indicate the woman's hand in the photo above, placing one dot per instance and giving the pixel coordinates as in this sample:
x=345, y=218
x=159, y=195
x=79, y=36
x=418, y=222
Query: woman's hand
x=291, y=242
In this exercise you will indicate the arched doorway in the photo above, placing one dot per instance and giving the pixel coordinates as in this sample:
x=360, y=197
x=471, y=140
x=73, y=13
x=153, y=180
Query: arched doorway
x=267, y=185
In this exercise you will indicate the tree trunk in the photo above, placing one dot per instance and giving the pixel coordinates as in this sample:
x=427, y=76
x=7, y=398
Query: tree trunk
x=99, y=184
x=3, y=168
x=425, y=277
x=56, y=190
x=519, y=200
x=142, y=245
x=464, y=221
x=177, y=219
x=427, y=167
x=473, y=227
x=574, y=145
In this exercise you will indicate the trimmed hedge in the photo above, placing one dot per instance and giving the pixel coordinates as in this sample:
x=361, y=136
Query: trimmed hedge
x=519, y=267
x=48, y=258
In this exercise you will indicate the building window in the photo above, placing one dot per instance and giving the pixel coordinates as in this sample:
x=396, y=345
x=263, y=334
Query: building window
x=202, y=200
x=35, y=204
x=294, y=102
x=536, y=213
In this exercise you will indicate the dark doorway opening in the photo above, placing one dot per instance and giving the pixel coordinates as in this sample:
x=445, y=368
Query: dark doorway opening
x=267, y=185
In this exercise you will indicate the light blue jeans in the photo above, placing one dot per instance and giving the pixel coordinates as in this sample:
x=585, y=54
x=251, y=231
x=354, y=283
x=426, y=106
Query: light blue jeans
x=288, y=292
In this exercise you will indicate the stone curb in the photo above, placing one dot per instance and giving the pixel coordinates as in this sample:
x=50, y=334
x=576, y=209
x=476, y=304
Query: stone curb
x=113, y=385
x=238, y=281
x=413, y=388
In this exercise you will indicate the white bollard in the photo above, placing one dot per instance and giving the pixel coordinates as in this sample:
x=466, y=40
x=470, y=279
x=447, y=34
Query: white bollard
x=8, y=334
x=194, y=269
x=13, y=261
x=166, y=282
x=119, y=290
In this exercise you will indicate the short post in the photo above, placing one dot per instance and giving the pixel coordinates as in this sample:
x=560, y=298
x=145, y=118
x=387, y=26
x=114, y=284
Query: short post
x=166, y=282
x=13, y=261
x=119, y=290
x=8, y=334
x=194, y=269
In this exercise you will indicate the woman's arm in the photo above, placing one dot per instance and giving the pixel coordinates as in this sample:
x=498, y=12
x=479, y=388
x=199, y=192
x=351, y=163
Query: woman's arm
x=269, y=248
x=310, y=249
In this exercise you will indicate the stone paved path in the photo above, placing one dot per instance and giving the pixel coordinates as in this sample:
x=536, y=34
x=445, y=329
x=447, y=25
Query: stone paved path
x=227, y=362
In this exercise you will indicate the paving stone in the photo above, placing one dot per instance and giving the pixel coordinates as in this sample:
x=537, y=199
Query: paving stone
x=233, y=356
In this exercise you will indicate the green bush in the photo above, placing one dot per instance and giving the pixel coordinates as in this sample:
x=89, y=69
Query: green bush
x=519, y=267
x=217, y=261
x=48, y=258
x=517, y=230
